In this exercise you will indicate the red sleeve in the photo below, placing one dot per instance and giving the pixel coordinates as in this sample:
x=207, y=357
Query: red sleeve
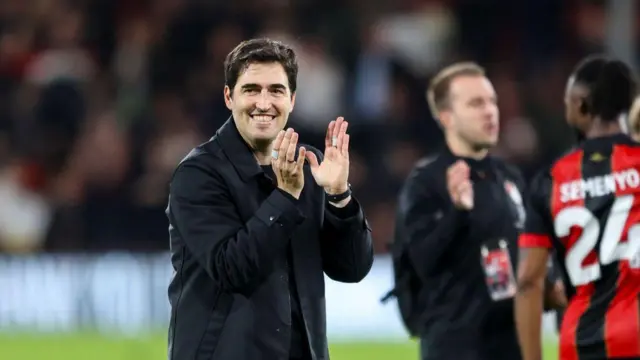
x=538, y=231
x=529, y=240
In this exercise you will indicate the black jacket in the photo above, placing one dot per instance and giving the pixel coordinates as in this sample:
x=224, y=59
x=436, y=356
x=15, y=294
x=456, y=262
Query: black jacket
x=230, y=230
x=445, y=247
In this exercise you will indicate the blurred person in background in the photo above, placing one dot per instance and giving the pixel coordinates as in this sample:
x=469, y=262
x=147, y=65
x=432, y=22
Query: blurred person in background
x=458, y=219
x=584, y=208
x=256, y=220
x=579, y=86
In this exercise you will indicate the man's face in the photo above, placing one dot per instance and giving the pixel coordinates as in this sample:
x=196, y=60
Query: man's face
x=574, y=96
x=260, y=102
x=473, y=114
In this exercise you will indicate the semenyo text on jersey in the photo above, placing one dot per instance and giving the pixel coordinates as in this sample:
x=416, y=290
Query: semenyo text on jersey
x=619, y=182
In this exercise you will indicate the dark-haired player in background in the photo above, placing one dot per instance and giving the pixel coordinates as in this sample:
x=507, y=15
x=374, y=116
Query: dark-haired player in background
x=586, y=206
x=580, y=84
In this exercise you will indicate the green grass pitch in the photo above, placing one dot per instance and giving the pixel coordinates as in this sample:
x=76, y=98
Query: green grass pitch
x=85, y=346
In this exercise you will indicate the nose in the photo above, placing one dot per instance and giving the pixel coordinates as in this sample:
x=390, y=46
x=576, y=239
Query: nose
x=263, y=102
x=491, y=111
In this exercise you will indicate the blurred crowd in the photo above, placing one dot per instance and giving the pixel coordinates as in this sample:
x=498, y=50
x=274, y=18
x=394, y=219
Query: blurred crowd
x=100, y=99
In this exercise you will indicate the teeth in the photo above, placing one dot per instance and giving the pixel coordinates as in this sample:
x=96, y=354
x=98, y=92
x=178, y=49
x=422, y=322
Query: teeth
x=262, y=118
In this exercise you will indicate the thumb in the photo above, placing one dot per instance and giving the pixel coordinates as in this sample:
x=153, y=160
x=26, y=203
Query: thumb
x=466, y=198
x=313, y=159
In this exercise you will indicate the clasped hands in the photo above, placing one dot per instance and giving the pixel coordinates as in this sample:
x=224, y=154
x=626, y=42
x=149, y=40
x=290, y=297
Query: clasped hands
x=332, y=173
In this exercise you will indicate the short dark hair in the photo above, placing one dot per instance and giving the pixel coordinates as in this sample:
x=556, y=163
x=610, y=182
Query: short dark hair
x=260, y=50
x=588, y=69
x=610, y=83
x=438, y=91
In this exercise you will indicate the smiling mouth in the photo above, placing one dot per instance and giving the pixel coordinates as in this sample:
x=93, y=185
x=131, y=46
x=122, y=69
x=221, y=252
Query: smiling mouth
x=263, y=118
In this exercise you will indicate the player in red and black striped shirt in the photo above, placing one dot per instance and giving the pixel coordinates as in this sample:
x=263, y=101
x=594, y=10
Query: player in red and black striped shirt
x=586, y=207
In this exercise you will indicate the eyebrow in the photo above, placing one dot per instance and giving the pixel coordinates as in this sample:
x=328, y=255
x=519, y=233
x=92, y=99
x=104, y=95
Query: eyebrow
x=256, y=86
x=481, y=98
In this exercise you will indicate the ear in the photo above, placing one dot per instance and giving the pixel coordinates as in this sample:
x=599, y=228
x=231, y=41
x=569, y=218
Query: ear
x=582, y=106
x=228, y=100
x=445, y=119
x=293, y=100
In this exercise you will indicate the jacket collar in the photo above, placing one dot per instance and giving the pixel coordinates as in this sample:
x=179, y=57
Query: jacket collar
x=480, y=169
x=473, y=163
x=237, y=150
x=595, y=144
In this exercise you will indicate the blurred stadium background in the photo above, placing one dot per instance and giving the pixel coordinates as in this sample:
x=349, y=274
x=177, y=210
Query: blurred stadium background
x=99, y=99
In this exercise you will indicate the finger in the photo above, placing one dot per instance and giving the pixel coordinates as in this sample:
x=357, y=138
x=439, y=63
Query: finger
x=455, y=168
x=344, y=126
x=455, y=177
x=467, y=200
x=462, y=174
x=313, y=159
x=457, y=186
x=454, y=185
x=278, y=141
x=459, y=166
x=291, y=150
x=455, y=196
x=301, y=156
x=463, y=185
x=460, y=170
x=465, y=188
x=327, y=138
x=464, y=169
x=338, y=126
x=284, y=146
x=341, y=133
x=344, y=148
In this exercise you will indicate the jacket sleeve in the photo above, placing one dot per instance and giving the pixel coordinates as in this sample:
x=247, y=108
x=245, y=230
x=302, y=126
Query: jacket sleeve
x=529, y=193
x=428, y=223
x=236, y=255
x=538, y=230
x=346, y=244
x=345, y=239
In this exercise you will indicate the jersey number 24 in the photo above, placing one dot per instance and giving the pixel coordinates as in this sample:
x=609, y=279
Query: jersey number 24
x=610, y=249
